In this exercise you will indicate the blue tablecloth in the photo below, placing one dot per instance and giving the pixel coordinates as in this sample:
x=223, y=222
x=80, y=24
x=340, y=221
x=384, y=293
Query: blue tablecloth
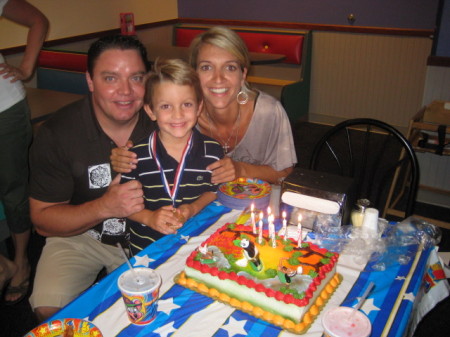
x=182, y=312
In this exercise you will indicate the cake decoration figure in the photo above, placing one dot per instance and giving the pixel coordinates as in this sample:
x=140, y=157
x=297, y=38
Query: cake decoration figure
x=285, y=274
x=251, y=255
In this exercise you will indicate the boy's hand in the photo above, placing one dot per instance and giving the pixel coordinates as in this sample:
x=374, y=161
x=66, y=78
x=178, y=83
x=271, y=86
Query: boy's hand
x=164, y=220
x=122, y=160
x=185, y=212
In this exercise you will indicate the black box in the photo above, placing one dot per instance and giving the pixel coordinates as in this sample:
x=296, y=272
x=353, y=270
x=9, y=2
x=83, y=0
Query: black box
x=320, y=193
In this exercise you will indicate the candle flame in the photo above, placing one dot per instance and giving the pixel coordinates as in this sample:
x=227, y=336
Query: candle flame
x=284, y=215
x=252, y=207
x=269, y=211
x=299, y=218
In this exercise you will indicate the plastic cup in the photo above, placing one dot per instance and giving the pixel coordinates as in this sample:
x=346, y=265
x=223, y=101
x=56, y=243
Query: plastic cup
x=370, y=221
x=140, y=290
x=346, y=322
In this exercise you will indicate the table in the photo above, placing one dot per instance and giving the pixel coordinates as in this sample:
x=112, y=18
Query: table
x=155, y=50
x=43, y=102
x=182, y=312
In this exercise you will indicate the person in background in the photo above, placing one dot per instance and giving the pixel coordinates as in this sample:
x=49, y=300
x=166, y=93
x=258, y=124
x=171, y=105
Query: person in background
x=15, y=139
x=252, y=127
x=75, y=200
x=172, y=169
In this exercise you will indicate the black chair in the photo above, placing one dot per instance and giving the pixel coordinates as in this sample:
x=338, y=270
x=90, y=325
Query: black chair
x=378, y=157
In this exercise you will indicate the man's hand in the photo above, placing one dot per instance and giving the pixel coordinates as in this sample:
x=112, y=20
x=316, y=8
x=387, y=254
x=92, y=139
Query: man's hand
x=223, y=170
x=122, y=160
x=122, y=200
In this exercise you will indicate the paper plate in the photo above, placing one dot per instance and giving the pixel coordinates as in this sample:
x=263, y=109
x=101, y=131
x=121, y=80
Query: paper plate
x=66, y=327
x=242, y=192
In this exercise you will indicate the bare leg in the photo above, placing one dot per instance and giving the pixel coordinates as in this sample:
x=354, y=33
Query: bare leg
x=20, y=241
x=7, y=270
x=43, y=313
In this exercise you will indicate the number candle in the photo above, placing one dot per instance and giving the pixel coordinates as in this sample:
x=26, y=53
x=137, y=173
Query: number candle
x=252, y=213
x=299, y=230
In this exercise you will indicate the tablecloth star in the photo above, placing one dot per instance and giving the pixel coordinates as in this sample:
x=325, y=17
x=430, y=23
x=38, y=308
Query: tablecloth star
x=185, y=237
x=167, y=306
x=142, y=261
x=165, y=330
x=369, y=306
x=409, y=297
x=400, y=278
x=235, y=327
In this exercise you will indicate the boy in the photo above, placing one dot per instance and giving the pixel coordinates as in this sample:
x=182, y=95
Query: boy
x=173, y=160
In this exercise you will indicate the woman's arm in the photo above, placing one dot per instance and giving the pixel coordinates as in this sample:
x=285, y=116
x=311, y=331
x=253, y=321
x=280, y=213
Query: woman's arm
x=226, y=169
x=23, y=13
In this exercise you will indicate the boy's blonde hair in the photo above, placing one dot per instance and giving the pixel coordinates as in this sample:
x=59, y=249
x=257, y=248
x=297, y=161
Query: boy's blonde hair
x=175, y=71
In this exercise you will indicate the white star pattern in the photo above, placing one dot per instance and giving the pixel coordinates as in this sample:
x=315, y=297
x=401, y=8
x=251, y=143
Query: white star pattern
x=167, y=306
x=409, y=297
x=369, y=306
x=142, y=261
x=235, y=327
x=400, y=278
x=165, y=330
x=185, y=237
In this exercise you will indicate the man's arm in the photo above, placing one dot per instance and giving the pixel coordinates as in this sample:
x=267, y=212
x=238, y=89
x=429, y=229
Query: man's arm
x=63, y=219
x=23, y=13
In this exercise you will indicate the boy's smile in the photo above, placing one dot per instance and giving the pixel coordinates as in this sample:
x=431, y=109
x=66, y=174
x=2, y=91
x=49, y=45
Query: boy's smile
x=175, y=108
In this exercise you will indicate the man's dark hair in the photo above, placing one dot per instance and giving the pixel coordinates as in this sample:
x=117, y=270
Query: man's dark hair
x=122, y=42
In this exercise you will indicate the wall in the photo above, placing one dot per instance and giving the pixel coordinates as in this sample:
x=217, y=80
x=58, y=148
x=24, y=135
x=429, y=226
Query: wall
x=418, y=14
x=76, y=17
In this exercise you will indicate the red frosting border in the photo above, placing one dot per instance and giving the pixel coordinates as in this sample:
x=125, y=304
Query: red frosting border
x=242, y=280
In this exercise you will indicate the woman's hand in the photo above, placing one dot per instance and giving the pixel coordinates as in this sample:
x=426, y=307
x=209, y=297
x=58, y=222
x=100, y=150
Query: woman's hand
x=14, y=74
x=223, y=170
x=122, y=160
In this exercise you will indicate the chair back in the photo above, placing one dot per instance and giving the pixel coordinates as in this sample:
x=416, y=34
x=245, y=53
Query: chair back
x=377, y=156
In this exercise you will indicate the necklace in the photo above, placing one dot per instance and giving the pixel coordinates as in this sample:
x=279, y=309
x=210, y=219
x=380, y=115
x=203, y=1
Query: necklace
x=234, y=131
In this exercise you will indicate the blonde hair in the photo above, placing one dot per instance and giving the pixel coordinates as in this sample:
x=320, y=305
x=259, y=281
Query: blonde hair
x=224, y=38
x=175, y=71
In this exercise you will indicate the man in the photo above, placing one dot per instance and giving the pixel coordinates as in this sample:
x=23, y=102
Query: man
x=75, y=201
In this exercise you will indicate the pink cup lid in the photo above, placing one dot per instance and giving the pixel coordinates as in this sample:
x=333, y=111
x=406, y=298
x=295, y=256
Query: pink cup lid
x=346, y=322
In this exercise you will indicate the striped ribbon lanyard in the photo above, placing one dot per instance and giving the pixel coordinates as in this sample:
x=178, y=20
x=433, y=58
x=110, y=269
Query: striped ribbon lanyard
x=172, y=192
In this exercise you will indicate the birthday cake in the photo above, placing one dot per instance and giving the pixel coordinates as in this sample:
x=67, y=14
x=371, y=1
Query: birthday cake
x=240, y=193
x=274, y=279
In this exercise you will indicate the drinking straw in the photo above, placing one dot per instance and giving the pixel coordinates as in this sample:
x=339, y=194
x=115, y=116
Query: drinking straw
x=138, y=280
x=362, y=299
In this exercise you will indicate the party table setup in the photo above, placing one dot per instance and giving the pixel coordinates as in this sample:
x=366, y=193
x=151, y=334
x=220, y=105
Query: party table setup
x=382, y=282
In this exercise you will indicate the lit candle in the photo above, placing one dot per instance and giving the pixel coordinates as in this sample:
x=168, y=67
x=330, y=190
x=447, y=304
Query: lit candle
x=252, y=214
x=261, y=215
x=272, y=231
x=283, y=232
x=299, y=230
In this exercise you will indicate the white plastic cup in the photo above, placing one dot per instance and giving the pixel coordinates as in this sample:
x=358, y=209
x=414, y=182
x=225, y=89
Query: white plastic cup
x=140, y=291
x=346, y=322
x=370, y=221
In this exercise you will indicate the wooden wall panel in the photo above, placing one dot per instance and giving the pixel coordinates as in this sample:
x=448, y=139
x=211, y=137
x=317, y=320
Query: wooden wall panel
x=376, y=76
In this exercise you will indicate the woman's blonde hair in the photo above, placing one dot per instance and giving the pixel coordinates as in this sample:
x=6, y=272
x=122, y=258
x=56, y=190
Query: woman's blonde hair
x=175, y=71
x=224, y=38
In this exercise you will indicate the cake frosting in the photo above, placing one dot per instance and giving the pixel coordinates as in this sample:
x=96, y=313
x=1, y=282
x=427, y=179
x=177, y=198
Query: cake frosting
x=276, y=279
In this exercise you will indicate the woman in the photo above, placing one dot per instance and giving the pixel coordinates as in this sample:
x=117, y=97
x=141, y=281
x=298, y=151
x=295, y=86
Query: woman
x=251, y=126
x=15, y=139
